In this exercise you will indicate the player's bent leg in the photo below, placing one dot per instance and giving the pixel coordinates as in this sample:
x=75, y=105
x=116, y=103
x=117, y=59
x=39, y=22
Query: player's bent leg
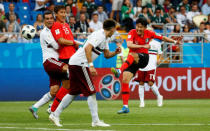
x=93, y=106
x=55, y=116
x=45, y=99
x=157, y=93
x=141, y=94
x=127, y=76
x=61, y=93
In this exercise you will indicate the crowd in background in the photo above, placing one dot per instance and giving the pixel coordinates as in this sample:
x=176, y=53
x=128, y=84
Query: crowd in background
x=89, y=15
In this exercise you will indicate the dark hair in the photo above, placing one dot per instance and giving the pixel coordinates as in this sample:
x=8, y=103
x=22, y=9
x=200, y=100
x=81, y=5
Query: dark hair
x=59, y=7
x=109, y=24
x=47, y=13
x=158, y=8
x=142, y=21
x=38, y=16
x=100, y=6
x=143, y=7
x=94, y=14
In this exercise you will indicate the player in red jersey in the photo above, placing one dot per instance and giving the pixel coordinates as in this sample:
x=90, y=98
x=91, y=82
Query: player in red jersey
x=67, y=47
x=138, y=57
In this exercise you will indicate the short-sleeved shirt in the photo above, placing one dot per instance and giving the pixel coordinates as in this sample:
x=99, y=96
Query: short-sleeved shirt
x=60, y=30
x=48, y=44
x=138, y=40
x=153, y=51
x=99, y=42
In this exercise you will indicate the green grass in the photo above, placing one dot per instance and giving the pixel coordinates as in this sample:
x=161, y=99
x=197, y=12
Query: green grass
x=174, y=115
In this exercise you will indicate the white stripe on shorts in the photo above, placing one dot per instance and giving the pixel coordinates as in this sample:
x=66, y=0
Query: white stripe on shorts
x=55, y=62
x=87, y=77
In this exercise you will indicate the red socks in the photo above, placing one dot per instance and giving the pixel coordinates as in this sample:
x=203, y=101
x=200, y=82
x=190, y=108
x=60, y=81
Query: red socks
x=127, y=63
x=125, y=93
x=59, y=96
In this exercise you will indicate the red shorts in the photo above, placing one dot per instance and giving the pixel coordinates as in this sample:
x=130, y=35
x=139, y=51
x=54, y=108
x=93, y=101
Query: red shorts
x=80, y=81
x=145, y=76
x=53, y=68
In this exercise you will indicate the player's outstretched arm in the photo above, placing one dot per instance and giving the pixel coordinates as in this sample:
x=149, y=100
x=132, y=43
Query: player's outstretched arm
x=166, y=39
x=134, y=46
x=63, y=41
x=108, y=54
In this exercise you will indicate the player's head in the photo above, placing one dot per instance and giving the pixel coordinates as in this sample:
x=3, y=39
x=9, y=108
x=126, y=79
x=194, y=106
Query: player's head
x=60, y=13
x=48, y=18
x=110, y=27
x=141, y=25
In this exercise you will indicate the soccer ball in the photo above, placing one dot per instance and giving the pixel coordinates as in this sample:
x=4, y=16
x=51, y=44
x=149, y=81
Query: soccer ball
x=28, y=32
x=109, y=87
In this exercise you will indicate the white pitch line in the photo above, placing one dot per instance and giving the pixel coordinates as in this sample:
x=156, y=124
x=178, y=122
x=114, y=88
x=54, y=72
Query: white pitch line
x=116, y=124
x=48, y=129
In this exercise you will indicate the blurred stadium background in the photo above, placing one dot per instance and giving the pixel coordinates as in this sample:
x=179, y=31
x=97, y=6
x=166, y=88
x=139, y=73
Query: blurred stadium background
x=183, y=74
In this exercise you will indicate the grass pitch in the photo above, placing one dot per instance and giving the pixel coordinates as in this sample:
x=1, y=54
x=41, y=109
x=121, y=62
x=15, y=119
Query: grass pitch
x=179, y=115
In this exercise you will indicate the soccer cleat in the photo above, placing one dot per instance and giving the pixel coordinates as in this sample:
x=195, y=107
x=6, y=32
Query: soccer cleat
x=116, y=72
x=160, y=101
x=141, y=104
x=123, y=110
x=34, y=110
x=100, y=123
x=55, y=120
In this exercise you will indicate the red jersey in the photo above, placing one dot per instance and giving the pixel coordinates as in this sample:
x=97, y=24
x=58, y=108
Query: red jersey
x=60, y=30
x=138, y=40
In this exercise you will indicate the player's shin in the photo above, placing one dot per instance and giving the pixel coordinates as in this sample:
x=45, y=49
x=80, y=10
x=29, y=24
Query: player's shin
x=93, y=106
x=46, y=98
x=66, y=101
x=127, y=63
x=155, y=90
x=141, y=93
x=59, y=96
x=125, y=94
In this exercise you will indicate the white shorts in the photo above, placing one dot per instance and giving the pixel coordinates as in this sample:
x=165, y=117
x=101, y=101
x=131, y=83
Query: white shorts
x=117, y=4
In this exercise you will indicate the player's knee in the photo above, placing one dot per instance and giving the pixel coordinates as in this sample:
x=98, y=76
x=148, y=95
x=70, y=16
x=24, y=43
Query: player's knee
x=141, y=83
x=135, y=57
x=150, y=83
x=53, y=90
x=65, y=68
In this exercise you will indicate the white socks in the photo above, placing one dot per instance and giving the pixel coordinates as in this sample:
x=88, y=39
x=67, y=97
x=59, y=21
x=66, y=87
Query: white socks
x=93, y=106
x=155, y=90
x=66, y=101
x=141, y=93
x=46, y=98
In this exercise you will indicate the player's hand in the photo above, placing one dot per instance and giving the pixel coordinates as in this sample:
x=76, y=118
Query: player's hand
x=179, y=40
x=147, y=46
x=118, y=50
x=93, y=71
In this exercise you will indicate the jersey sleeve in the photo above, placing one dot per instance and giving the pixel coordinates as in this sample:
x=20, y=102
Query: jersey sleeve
x=130, y=36
x=95, y=40
x=56, y=31
x=155, y=36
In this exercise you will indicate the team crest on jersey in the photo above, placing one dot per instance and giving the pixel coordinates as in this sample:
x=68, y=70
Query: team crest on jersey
x=57, y=31
x=147, y=40
x=129, y=36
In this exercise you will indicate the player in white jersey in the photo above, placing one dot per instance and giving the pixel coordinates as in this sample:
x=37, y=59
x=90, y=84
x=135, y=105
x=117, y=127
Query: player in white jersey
x=56, y=70
x=81, y=67
x=148, y=73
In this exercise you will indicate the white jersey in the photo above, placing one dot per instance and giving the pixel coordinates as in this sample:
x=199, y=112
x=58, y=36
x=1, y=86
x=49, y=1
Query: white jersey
x=99, y=42
x=153, y=51
x=48, y=44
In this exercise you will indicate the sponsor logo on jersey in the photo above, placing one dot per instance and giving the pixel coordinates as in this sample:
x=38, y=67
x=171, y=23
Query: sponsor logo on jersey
x=57, y=31
x=129, y=36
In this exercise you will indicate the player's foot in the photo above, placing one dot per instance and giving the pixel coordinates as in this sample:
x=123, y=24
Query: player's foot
x=55, y=120
x=160, y=101
x=123, y=110
x=141, y=104
x=34, y=110
x=49, y=109
x=116, y=72
x=100, y=123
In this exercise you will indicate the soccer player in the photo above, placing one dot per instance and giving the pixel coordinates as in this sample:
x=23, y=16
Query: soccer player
x=137, y=58
x=62, y=34
x=148, y=73
x=81, y=68
x=55, y=69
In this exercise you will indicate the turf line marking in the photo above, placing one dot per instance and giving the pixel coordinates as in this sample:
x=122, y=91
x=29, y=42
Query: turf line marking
x=48, y=129
x=115, y=124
